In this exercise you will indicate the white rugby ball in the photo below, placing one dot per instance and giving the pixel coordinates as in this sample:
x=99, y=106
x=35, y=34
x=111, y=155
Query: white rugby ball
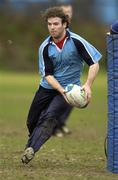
x=76, y=96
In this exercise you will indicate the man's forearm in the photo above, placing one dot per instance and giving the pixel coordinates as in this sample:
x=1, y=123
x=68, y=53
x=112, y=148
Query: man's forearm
x=93, y=70
x=54, y=83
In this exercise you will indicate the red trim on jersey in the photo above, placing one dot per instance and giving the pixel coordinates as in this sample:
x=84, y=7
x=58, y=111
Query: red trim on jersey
x=60, y=43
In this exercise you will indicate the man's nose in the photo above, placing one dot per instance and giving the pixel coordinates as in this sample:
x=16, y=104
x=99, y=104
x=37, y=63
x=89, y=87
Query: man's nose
x=52, y=26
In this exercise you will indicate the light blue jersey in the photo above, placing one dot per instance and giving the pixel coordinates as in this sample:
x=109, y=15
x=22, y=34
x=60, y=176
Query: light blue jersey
x=66, y=64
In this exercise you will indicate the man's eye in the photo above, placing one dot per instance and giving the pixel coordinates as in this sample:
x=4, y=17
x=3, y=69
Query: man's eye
x=56, y=24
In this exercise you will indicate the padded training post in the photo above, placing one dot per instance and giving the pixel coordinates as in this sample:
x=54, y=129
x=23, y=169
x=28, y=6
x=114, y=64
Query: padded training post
x=112, y=133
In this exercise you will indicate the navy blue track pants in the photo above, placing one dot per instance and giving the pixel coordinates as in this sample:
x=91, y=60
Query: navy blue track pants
x=43, y=116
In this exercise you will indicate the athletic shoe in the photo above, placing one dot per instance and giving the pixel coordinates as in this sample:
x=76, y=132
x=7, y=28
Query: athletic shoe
x=58, y=133
x=65, y=130
x=28, y=155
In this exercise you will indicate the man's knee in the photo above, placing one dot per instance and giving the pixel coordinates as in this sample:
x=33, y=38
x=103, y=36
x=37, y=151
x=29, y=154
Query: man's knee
x=49, y=125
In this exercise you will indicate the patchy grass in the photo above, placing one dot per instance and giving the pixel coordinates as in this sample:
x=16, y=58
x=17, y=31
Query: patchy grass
x=79, y=155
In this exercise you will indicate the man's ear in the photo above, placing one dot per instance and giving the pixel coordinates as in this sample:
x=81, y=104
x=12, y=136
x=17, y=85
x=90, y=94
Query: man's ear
x=65, y=24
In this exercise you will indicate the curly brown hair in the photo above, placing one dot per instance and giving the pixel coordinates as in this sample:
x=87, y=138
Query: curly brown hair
x=56, y=12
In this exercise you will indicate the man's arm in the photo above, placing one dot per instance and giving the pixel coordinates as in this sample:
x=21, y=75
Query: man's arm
x=54, y=83
x=93, y=70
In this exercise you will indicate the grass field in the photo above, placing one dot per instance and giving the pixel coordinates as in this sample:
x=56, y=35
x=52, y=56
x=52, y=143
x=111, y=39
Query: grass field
x=79, y=155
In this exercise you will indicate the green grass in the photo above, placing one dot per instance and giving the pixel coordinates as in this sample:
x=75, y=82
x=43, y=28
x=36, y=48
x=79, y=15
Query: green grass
x=79, y=155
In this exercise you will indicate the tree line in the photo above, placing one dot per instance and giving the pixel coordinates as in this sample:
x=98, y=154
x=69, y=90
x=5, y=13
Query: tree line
x=21, y=35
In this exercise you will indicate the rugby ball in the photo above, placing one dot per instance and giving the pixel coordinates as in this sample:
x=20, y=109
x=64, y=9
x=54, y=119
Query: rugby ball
x=76, y=96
